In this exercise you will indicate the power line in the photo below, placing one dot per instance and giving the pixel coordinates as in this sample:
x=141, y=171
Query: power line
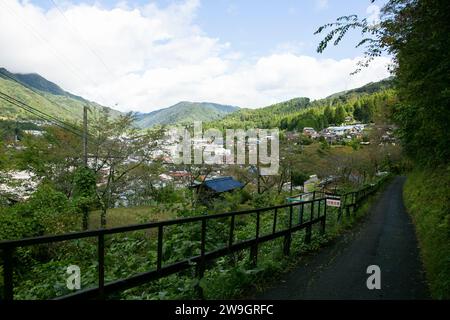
x=40, y=94
x=38, y=113
x=73, y=29
x=64, y=60
x=40, y=37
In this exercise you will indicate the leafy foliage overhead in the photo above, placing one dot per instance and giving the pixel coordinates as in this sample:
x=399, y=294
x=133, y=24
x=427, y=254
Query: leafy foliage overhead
x=416, y=34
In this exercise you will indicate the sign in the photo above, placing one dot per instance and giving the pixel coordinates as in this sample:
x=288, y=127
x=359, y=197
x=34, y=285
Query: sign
x=300, y=198
x=333, y=202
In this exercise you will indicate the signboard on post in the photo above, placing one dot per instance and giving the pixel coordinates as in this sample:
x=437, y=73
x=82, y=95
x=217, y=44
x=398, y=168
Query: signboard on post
x=334, y=202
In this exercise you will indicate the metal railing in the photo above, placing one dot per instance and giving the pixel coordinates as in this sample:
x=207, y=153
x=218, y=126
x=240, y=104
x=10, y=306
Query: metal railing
x=316, y=208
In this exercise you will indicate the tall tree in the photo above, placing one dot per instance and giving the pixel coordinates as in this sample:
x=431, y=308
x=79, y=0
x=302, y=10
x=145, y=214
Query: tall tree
x=416, y=34
x=339, y=115
x=328, y=116
x=119, y=149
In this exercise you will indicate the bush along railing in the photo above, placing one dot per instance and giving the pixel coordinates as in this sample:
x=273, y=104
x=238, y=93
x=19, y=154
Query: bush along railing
x=280, y=222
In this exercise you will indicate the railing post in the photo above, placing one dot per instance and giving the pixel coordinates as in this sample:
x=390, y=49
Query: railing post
x=8, y=290
x=200, y=268
x=309, y=226
x=231, y=239
x=339, y=217
x=324, y=218
x=346, y=205
x=231, y=235
x=318, y=209
x=160, y=247
x=254, y=248
x=101, y=265
x=274, y=227
x=302, y=209
x=287, y=238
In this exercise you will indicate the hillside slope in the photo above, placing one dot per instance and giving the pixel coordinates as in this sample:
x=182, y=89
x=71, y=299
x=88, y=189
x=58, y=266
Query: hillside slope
x=428, y=201
x=263, y=117
x=43, y=95
x=184, y=112
x=303, y=111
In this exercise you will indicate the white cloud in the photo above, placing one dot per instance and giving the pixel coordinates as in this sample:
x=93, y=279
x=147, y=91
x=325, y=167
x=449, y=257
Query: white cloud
x=373, y=12
x=232, y=9
x=322, y=4
x=144, y=58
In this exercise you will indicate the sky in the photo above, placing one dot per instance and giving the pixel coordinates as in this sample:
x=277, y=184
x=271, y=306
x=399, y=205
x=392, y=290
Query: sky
x=145, y=55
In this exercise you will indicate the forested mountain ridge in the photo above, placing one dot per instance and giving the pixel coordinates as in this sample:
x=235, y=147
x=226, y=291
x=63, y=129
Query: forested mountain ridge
x=371, y=87
x=38, y=82
x=44, y=95
x=295, y=114
x=184, y=112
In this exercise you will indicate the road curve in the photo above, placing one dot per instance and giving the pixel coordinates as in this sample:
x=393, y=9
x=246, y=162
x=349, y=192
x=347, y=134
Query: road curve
x=386, y=238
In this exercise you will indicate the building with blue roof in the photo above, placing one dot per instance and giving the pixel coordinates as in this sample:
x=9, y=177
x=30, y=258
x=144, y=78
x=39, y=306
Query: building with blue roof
x=219, y=185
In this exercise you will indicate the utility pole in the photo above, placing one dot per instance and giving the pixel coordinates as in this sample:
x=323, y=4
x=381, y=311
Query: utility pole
x=85, y=129
x=16, y=133
x=259, y=179
x=85, y=155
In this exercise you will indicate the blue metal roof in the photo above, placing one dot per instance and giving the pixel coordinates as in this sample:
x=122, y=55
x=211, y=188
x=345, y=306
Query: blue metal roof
x=223, y=184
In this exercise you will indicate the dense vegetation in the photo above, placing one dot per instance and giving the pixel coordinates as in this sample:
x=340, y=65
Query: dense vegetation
x=67, y=189
x=366, y=104
x=428, y=200
x=416, y=34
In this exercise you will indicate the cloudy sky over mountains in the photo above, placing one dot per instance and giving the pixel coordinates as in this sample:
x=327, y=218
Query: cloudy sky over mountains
x=144, y=55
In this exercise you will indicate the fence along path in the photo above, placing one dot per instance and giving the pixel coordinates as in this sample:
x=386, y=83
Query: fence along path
x=300, y=216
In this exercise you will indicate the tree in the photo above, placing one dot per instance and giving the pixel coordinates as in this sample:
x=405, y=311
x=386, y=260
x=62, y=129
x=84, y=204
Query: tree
x=52, y=157
x=339, y=116
x=415, y=33
x=328, y=116
x=117, y=150
x=84, y=192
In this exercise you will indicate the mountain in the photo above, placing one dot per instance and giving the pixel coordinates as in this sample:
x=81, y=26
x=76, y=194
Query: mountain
x=43, y=95
x=299, y=109
x=263, y=117
x=369, y=88
x=184, y=112
x=48, y=97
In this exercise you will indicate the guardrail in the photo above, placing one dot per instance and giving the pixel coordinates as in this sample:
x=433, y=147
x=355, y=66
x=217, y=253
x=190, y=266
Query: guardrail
x=315, y=213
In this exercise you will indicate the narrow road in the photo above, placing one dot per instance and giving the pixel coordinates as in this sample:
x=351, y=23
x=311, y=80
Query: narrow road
x=386, y=238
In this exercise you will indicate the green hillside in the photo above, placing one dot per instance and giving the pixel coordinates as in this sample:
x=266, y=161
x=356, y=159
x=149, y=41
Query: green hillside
x=263, y=117
x=43, y=95
x=371, y=87
x=184, y=112
x=359, y=103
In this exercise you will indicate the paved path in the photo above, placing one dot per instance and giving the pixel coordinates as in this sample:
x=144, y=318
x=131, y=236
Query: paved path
x=386, y=238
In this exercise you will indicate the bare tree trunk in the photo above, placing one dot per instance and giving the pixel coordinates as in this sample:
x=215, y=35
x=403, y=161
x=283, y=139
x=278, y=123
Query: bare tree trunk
x=103, y=216
x=85, y=219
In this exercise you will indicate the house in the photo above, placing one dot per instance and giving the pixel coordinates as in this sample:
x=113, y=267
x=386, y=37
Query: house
x=214, y=186
x=36, y=133
x=290, y=135
x=310, y=132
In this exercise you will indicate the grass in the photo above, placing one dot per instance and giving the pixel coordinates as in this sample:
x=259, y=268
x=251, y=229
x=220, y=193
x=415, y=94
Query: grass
x=427, y=198
x=118, y=217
